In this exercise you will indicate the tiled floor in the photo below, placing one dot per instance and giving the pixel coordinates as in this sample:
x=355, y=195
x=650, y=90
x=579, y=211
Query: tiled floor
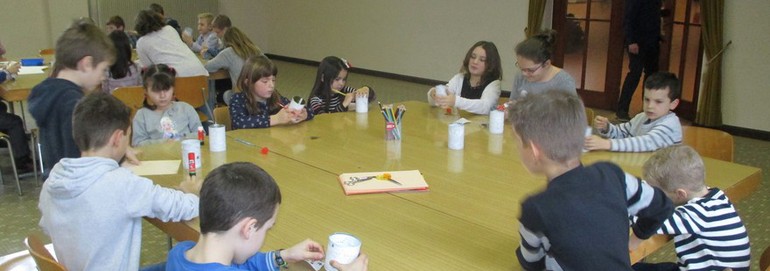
x=19, y=215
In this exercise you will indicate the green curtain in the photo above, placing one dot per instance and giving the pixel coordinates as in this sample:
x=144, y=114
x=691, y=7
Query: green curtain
x=710, y=99
x=535, y=18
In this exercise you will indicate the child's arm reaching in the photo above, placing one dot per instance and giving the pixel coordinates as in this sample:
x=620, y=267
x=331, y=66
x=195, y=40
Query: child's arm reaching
x=649, y=204
x=665, y=132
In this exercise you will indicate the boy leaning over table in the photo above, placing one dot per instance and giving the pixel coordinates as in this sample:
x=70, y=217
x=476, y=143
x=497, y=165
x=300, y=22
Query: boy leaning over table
x=91, y=207
x=83, y=54
x=580, y=220
x=708, y=233
x=239, y=204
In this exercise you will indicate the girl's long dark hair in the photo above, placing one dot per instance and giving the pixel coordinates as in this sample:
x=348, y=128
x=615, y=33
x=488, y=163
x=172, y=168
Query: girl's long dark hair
x=123, y=63
x=494, y=68
x=328, y=70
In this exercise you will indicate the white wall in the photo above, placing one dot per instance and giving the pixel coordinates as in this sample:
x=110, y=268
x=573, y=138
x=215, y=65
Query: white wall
x=419, y=38
x=31, y=25
x=746, y=84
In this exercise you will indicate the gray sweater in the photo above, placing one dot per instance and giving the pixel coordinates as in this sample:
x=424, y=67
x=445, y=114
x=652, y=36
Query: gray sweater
x=228, y=60
x=561, y=81
x=178, y=122
x=92, y=209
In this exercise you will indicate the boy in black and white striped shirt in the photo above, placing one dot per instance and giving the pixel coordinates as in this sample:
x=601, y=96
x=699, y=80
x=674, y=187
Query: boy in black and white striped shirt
x=708, y=233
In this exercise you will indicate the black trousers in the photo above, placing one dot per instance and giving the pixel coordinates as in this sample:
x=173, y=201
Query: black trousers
x=13, y=126
x=646, y=60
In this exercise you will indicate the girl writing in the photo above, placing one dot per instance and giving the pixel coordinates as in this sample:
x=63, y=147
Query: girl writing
x=477, y=87
x=162, y=118
x=329, y=93
x=258, y=104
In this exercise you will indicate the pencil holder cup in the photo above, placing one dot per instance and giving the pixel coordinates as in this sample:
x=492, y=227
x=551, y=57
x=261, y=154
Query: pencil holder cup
x=392, y=131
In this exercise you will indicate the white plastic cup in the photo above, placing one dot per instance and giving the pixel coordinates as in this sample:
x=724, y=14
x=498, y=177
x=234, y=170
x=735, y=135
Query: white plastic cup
x=217, y=140
x=343, y=248
x=362, y=104
x=441, y=90
x=589, y=132
x=456, y=136
x=188, y=31
x=496, y=121
x=194, y=146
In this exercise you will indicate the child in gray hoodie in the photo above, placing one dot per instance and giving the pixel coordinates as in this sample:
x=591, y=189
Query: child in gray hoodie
x=91, y=207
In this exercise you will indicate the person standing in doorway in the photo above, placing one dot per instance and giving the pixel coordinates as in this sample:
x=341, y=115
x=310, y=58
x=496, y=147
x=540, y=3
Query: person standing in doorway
x=641, y=24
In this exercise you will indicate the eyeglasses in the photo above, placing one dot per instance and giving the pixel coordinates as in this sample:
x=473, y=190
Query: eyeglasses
x=529, y=70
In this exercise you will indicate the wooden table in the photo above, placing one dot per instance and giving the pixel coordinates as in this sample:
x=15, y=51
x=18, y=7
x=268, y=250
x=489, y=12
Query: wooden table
x=468, y=219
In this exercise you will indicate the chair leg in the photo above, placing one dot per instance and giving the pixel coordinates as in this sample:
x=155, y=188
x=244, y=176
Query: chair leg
x=13, y=162
x=34, y=157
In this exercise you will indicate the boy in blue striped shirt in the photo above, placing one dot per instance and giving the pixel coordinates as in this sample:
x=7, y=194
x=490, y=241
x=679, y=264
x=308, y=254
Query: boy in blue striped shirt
x=708, y=233
x=654, y=128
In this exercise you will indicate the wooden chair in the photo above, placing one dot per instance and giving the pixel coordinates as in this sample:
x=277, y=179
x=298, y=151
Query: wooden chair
x=132, y=96
x=709, y=142
x=764, y=260
x=47, y=51
x=193, y=90
x=43, y=258
x=222, y=116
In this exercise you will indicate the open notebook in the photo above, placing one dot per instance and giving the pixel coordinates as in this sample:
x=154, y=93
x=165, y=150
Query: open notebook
x=382, y=182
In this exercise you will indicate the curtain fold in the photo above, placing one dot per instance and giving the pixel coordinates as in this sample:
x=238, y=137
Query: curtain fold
x=709, y=112
x=535, y=17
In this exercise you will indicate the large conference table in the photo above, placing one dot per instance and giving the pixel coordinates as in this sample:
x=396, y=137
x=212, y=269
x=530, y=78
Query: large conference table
x=466, y=221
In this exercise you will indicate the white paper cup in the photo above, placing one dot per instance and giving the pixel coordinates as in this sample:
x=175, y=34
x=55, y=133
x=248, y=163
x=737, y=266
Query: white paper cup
x=496, y=121
x=362, y=104
x=217, y=140
x=194, y=146
x=343, y=248
x=456, y=136
x=297, y=103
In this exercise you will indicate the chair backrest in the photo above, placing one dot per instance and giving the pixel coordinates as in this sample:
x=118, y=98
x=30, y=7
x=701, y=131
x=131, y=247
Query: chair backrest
x=764, y=260
x=47, y=51
x=43, y=258
x=192, y=90
x=132, y=96
x=709, y=142
x=222, y=116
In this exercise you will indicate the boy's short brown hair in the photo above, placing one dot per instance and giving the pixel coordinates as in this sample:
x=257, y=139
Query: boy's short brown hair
x=675, y=167
x=221, y=22
x=555, y=121
x=83, y=39
x=96, y=117
x=236, y=191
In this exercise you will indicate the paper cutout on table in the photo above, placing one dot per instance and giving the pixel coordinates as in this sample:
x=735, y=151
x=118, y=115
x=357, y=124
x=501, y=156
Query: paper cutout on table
x=363, y=183
x=23, y=70
x=158, y=167
x=462, y=121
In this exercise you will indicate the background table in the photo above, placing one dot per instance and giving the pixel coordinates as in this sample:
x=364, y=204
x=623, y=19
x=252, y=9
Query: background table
x=468, y=219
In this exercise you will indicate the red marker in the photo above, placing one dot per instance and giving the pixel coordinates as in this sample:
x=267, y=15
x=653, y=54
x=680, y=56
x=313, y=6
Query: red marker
x=191, y=163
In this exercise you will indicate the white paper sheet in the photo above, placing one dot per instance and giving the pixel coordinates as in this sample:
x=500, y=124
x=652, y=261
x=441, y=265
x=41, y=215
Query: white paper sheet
x=32, y=70
x=158, y=167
